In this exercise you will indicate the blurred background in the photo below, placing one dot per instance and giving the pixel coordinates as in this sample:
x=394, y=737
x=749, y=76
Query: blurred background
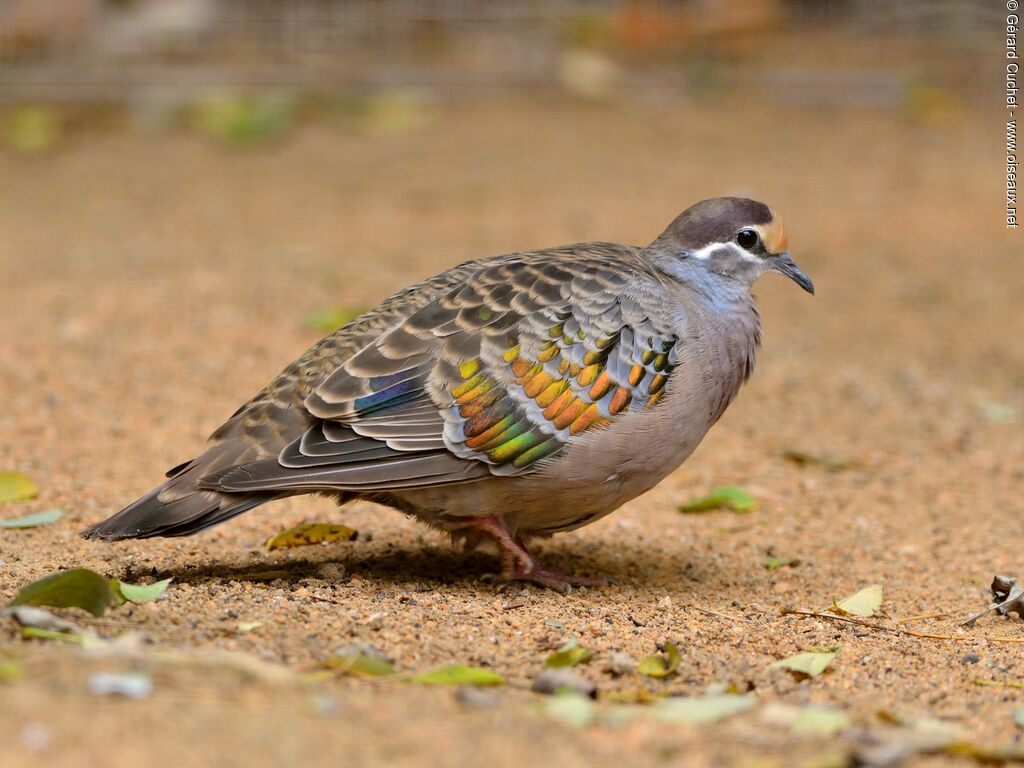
x=193, y=191
x=244, y=175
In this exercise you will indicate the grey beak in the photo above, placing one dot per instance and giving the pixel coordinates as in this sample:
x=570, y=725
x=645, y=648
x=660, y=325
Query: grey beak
x=784, y=265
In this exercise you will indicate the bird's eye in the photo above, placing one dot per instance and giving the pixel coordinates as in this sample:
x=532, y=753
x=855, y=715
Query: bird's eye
x=747, y=239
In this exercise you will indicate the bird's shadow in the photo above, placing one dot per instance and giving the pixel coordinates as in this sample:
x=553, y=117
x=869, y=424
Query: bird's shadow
x=432, y=567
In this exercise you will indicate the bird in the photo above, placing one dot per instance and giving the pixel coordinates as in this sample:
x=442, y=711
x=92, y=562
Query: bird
x=506, y=399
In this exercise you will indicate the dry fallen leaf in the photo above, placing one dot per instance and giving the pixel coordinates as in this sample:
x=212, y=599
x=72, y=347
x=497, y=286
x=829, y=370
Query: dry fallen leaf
x=864, y=603
x=73, y=588
x=828, y=463
x=458, y=674
x=1007, y=598
x=34, y=520
x=773, y=562
x=14, y=486
x=820, y=721
x=660, y=666
x=572, y=708
x=139, y=593
x=569, y=655
x=10, y=669
x=307, y=534
x=807, y=664
x=700, y=709
x=40, y=618
x=366, y=664
x=726, y=497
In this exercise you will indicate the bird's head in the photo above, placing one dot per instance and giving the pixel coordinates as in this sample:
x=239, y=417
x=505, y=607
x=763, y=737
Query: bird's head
x=732, y=237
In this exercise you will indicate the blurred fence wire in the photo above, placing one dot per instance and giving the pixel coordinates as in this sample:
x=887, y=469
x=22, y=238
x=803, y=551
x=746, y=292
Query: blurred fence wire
x=99, y=50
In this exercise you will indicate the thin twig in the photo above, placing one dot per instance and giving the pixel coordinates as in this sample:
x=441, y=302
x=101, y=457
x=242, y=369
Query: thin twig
x=847, y=619
x=922, y=617
x=715, y=613
x=323, y=599
x=898, y=630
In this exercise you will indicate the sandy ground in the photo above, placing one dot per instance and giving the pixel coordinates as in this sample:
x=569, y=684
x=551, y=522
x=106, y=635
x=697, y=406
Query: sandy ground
x=151, y=283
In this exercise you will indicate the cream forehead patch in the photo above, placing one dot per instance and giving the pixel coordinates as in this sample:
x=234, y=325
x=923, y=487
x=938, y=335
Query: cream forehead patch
x=774, y=235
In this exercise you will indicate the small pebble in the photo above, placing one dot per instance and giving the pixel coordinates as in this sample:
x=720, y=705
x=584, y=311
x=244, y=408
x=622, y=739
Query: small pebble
x=970, y=658
x=620, y=663
x=476, y=698
x=133, y=685
x=331, y=571
x=362, y=649
x=325, y=705
x=553, y=680
x=35, y=737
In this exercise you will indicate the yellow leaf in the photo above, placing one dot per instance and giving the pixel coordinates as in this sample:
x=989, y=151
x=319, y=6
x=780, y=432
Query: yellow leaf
x=360, y=664
x=311, y=533
x=864, y=603
x=809, y=664
x=569, y=655
x=14, y=486
x=660, y=666
x=458, y=674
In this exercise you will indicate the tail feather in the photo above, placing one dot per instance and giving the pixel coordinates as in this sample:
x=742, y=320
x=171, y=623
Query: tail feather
x=149, y=516
x=178, y=507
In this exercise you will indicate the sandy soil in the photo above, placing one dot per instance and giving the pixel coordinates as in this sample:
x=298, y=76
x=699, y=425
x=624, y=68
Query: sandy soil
x=151, y=283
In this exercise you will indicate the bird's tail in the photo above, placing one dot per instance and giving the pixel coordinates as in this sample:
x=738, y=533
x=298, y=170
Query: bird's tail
x=177, y=507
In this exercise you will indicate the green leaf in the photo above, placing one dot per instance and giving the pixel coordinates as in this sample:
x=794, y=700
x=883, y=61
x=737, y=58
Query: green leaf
x=31, y=129
x=700, y=709
x=31, y=521
x=569, y=655
x=660, y=666
x=35, y=633
x=307, y=534
x=458, y=674
x=572, y=708
x=73, y=588
x=10, y=669
x=14, y=486
x=820, y=721
x=864, y=603
x=332, y=319
x=726, y=497
x=360, y=664
x=810, y=664
x=139, y=593
x=772, y=562
x=828, y=463
x=244, y=119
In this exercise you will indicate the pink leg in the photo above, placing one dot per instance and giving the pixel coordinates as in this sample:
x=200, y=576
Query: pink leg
x=517, y=564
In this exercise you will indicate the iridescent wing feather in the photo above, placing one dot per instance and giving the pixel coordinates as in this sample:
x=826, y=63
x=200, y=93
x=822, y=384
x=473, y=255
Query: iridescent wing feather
x=494, y=378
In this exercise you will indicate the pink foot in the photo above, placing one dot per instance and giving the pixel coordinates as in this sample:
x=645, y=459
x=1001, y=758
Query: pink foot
x=517, y=564
x=552, y=579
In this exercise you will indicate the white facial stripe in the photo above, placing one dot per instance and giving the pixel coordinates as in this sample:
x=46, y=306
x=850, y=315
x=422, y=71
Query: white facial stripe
x=707, y=250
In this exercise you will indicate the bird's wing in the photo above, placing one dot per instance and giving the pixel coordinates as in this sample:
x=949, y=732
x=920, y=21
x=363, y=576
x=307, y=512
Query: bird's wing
x=493, y=378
